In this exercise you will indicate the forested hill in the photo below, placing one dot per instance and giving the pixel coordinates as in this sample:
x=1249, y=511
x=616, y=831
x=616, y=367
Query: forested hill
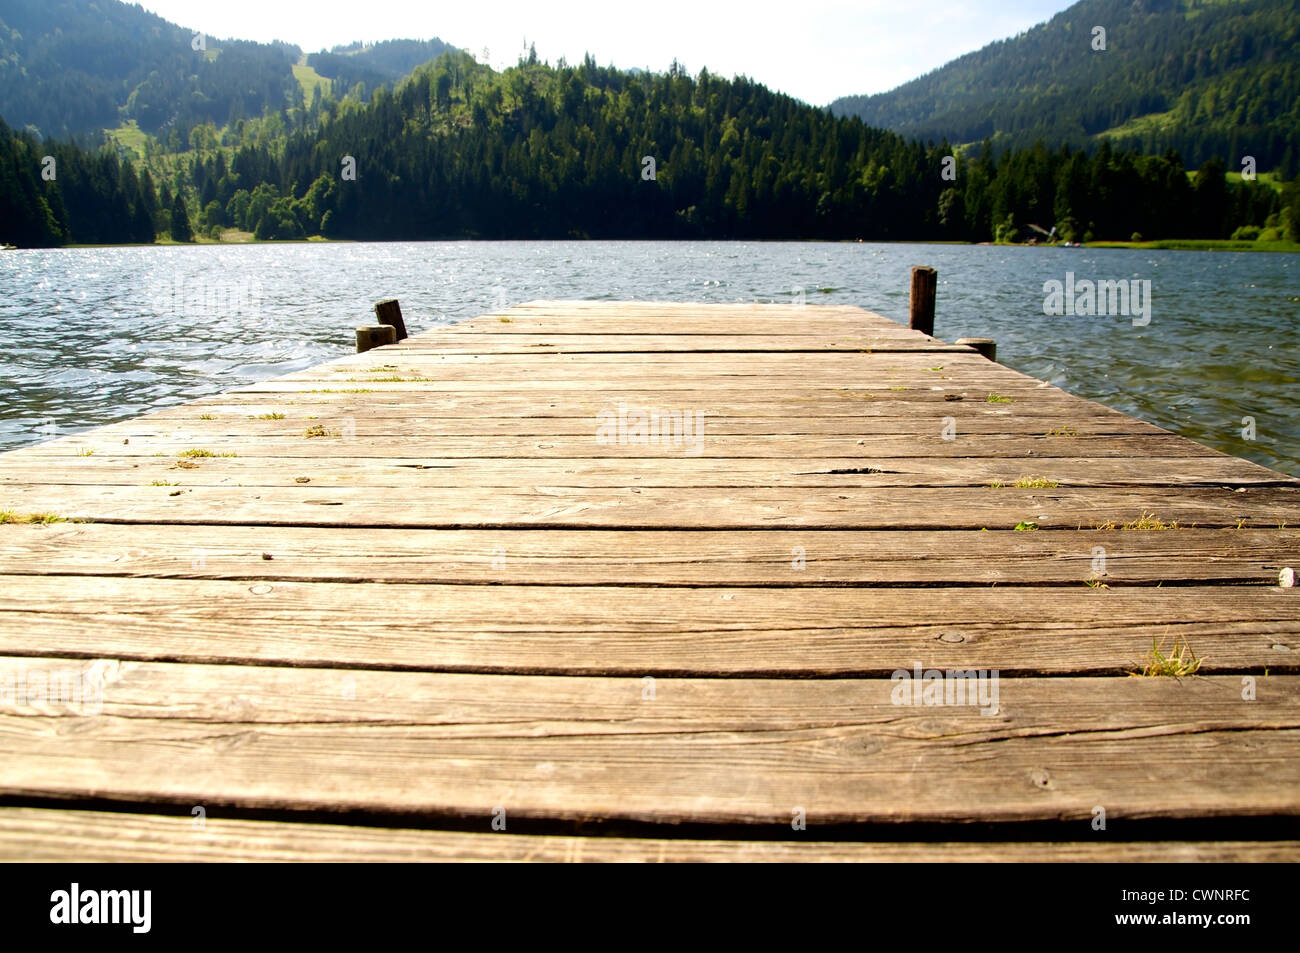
x=1203, y=77
x=73, y=67
x=377, y=64
x=459, y=150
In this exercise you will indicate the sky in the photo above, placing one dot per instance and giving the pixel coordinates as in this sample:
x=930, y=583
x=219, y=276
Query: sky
x=815, y=50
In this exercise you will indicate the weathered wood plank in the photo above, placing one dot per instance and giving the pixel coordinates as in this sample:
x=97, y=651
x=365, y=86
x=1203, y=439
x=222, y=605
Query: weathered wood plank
x=41, y=834
x=648, y=558
x=639, y=630
x=451, y=342
x=924, y=422
x=237, y=407
x=110, y=469
x=745, y=752
x=564, y=507
x=121, y=442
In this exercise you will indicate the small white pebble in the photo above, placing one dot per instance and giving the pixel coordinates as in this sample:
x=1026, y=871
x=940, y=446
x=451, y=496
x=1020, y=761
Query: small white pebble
x=1286, y=578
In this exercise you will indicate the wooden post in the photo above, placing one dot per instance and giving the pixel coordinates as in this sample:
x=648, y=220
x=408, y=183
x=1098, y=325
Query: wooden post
x=924, y=280
x=375, y=335
x=986, y=346
x=390, y=312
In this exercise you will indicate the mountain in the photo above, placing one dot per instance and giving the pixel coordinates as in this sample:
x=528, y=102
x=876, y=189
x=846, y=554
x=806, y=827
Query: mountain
x=73, y=67
x=458, y=150
x=377, y=64
x=1202, y=77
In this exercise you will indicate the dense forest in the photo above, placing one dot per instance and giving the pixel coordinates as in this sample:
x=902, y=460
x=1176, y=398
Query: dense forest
x=459, y=150
x=73, y=67
x=376, y=65
x=53, y=194
x=1203, y=77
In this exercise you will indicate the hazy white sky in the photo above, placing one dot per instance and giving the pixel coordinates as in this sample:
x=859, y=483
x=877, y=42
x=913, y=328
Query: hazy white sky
x=813, y=49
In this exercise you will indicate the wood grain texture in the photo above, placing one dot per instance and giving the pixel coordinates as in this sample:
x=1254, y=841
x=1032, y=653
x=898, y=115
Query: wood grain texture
x=597, y=630
x=649, y=558
x=43, y=835
x=563, y=507
x=109, y=469
x=706, y=751
x=416, y=582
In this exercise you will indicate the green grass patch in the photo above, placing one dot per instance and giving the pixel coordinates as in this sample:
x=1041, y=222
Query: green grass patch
x=997, y=399
x=1195, y=244
x=390, y=379
x=129, y=136
x=1138, y=125
x=1146, y=521
x=309, y=79
x=1033, y=482
x=1180, y=661
x=196, y=452
x=42, y=519
x=1263, y=178
x=1025, y=526
x=275, y=416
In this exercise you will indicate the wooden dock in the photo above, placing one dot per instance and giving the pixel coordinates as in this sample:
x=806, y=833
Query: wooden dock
x=447, y=599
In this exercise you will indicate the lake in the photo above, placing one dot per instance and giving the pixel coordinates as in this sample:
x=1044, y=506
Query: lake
x=91, y=336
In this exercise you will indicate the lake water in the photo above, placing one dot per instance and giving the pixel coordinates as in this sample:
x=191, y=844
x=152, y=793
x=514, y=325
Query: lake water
x=91, y=336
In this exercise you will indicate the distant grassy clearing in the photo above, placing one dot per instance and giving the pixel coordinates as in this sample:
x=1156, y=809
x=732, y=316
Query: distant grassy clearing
x=309, y=79
x=130, y=136
x=1195, y=244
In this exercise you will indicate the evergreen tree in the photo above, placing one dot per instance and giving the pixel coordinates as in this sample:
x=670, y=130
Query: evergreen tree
x=181, y=230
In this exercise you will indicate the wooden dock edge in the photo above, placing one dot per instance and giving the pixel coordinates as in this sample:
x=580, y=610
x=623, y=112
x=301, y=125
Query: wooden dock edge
x=57, y=836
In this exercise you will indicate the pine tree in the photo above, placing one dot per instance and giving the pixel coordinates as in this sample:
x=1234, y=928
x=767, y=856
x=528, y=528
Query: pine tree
x=181, y=230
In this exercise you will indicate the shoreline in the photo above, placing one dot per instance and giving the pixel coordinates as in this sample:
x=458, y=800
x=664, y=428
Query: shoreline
x=1172, y=244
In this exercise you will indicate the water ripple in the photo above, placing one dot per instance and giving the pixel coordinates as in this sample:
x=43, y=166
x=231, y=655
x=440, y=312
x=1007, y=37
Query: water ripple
x=96, y=335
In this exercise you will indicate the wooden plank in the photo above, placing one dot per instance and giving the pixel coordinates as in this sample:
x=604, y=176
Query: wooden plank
x=562, y=507
x=678, y=318
x=240, y=407
x=41, y=834
x=110, y=469
x=961, y=366
x=411, y=427
x=647, y=558
x=451, y=342
x=746, y=752
x=639, y=630
x=712, y=446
